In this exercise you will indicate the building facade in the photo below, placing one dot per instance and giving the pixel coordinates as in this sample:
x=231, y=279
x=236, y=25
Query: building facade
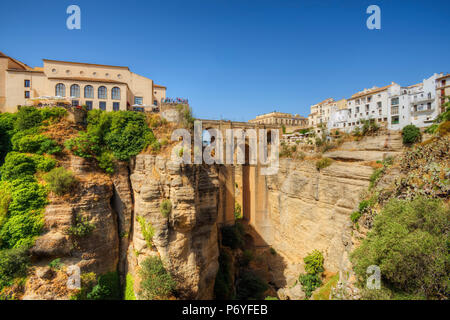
x=416, y=104
x=280, y=118
x=369, y=104
x=320, y=112
x=105, y=87
x=442, y=91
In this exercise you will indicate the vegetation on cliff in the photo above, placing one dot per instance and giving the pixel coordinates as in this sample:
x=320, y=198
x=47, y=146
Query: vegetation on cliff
x=112, y=136
x=23, y=159
x=406, y=216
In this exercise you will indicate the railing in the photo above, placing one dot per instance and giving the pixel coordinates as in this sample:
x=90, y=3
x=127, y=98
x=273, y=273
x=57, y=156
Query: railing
x=175, y=100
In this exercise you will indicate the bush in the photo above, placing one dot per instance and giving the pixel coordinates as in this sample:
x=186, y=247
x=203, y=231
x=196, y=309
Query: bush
x=165, y=207
x=237, y=211
x=314, y=262
x=81, y=227
x=223, y=286
x=59, y=180
x=34, y=143
x=309, y=282
x=13, y=264
x=17, y=166
x=323, y=163
x=6, y=132
x=247, y=257
x=106, y=162
x=5, y=199
x=411, y=134
x=56, y=264
x=27, y=118
x=107, y=287
x=250, y=287
x=84, y=145
x=444, y=128
x=233, y=236
x=147, y=231
x=409, y=243
x=156, y=283
x=53, y=113
x=129, y=288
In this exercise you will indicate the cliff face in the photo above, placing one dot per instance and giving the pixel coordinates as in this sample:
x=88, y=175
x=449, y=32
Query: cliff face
x=186, y=240
x=304, y=209
x=310, y=209
x=97, y=252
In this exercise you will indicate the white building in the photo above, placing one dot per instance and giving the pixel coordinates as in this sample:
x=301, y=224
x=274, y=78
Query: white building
x=416, y=104
x=338, y=120
x=370, y=104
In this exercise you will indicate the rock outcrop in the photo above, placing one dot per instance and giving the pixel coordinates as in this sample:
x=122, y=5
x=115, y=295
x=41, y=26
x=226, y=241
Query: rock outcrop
x=185, y=240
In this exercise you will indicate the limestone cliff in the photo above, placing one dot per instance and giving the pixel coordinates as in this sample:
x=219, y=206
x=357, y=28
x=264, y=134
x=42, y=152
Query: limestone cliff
x=186, y=240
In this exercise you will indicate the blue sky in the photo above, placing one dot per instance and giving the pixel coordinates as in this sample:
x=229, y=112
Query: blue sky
x=235, y=59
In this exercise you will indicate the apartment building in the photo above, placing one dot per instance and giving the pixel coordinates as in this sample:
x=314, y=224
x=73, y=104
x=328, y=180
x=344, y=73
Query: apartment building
x=442, y=91
x=416, y=104
x=320, y=113
x=338, y=117
x=97, y=86
x=370, y=104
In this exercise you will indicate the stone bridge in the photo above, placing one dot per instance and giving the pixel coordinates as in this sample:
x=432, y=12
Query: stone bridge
x=243, y=184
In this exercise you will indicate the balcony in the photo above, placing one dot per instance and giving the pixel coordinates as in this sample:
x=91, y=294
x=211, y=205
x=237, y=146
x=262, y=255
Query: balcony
x=394, y=110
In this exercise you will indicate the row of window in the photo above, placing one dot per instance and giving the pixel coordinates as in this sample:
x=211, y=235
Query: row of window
x=101, y=105
x=102, y=93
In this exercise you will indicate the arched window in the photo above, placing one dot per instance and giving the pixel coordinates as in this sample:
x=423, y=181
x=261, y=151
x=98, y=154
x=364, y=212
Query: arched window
x=89, y=92
x=102, y=93
x=60, y=90
x=115, y=93
x=75, y=91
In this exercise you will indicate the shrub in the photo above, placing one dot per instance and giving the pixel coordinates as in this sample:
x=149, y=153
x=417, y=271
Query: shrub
x=128, y=134
x=165, y=207
x=156, y=282
x=107, y=288
x=27, y=118
x=59, y=180
x=223, y=286
x=53, y=113
x=5, y=199
x=81, y=227
x=444, y=128
x=409, y=243
x=147, y=231
x=17, y=166
x=377, y=173
x=6, y=132
x=309, y=282
x=247, y=257
x=250, y=287
x=43, y=163
x=156, y=146
x=129, y=288
x=34, y=143
x=323, y=163
x=106, y=162
x=56, y=264
x=84, y=145
x=233, y=236
x=314, y=262
x=411, y=134
x=237, y=211
x=13, y=264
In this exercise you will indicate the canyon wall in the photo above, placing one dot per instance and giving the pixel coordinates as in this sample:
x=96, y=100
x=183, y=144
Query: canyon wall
x=185, y=240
